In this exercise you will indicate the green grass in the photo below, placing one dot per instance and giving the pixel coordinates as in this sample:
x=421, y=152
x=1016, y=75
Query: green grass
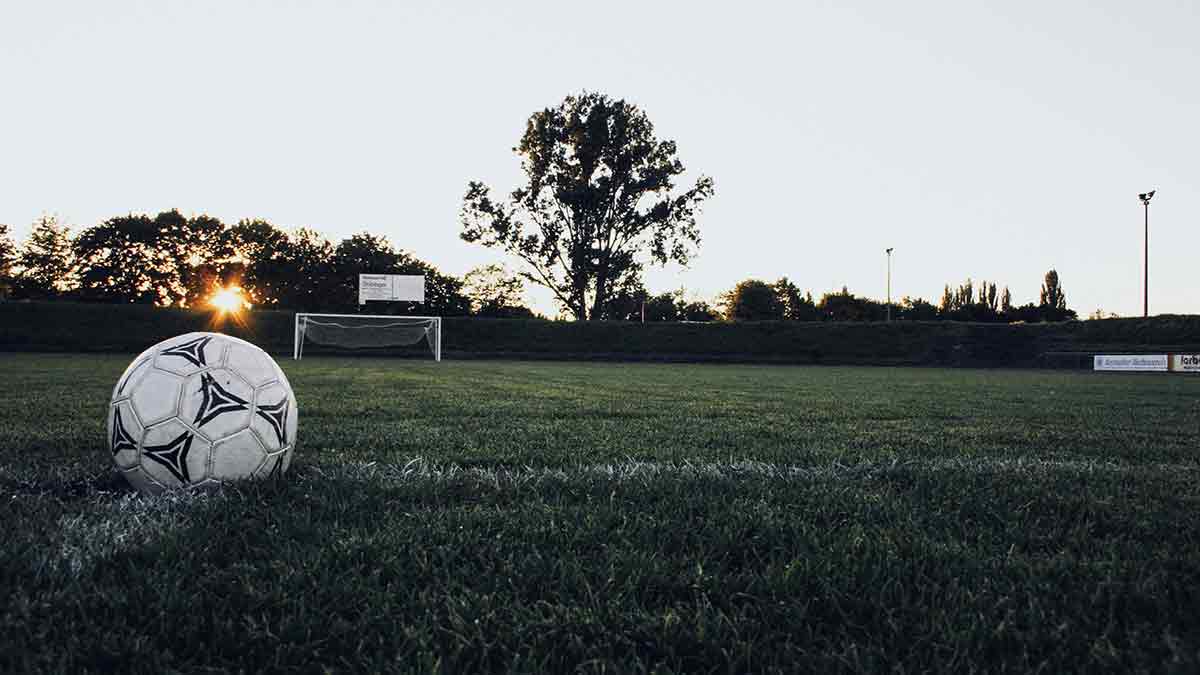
x=463, y=517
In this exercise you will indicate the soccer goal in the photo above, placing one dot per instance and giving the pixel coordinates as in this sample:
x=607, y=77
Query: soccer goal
x=366, y=331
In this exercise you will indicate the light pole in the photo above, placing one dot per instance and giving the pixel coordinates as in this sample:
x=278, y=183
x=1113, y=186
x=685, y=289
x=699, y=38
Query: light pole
x=1145, y=197
x=889, y=285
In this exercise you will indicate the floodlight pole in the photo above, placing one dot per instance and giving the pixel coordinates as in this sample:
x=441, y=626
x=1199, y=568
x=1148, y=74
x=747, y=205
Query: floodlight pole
x=889, y=284
x=1145, y=197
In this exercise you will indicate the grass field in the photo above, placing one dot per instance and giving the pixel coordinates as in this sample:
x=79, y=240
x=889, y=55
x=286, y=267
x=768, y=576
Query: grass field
x=550, y=517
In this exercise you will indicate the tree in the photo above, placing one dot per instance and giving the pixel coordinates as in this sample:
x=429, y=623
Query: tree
x=625, y=299
x=8, y=255
x=168, y=260
x=119, y=261
x=1027, y=313
x=698, y=310
x=305, y=264
x=845, y=306
x=46, y=262
x=494, y=292
x=917, y=309
x=988, y=297
x=949, y=301
x=366, y=253
x=198, y=253
x=752, y=300
x=362, y=253
x=662, y=307
x=796, y=307
x=598, y=202
x=964, y=304
x=255, y=245
x=1053, y=299
x=1006, y=305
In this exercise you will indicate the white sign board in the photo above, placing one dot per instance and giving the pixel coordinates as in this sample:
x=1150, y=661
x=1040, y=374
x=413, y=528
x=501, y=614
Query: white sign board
x=1132, y=362
x=391, y=287
x=1185, y=363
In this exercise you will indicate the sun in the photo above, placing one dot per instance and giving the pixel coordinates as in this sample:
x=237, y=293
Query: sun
x=228, y=299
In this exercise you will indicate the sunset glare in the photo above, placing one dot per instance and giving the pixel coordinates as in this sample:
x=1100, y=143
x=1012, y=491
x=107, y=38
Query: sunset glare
x=229, y=300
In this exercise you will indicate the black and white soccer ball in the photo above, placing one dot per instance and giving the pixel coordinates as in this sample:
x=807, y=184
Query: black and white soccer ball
x=201, y=409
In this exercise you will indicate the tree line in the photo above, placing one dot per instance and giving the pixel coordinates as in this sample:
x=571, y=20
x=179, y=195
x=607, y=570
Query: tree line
x=174, y=260
x=756, y=300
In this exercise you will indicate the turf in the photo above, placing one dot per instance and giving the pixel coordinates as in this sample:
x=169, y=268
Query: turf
x=549, y=517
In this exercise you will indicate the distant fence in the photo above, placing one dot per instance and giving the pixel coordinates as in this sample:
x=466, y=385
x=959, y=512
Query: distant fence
x=78, y=327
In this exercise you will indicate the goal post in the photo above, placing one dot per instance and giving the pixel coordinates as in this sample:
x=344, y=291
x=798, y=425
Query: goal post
x=365, y=331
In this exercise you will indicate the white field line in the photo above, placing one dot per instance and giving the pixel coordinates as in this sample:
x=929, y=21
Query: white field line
x=421, y=470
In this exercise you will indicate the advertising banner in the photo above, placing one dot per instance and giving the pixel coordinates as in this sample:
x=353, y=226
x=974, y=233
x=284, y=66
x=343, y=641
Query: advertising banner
x=391, y=287
x=1185, y=363
x=1132, y=362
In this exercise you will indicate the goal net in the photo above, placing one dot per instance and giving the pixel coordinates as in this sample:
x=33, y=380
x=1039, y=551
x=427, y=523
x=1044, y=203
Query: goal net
x=362, y=331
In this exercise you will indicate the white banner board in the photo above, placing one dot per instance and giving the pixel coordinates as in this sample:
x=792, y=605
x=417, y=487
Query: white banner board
x=1185, y=363
x=391, y=287
x=1132, y=362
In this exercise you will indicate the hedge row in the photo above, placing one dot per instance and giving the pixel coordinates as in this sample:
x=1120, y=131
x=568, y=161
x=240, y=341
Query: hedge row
x=131, y=328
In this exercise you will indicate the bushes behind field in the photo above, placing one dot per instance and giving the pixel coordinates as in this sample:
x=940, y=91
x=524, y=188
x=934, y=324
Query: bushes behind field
x=131, y=328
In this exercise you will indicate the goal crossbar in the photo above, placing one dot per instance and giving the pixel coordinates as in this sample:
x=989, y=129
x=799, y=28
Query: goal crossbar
x=305, y=321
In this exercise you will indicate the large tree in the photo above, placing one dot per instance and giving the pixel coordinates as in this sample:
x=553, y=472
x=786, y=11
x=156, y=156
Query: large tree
x=120, y=261
x=165, y=260
x=598, y=201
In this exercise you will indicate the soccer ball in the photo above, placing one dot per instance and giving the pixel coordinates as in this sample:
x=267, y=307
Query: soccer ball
x=201, y=409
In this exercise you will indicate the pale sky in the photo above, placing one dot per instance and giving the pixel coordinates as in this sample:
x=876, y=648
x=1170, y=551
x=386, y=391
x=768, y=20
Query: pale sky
x=984, y=139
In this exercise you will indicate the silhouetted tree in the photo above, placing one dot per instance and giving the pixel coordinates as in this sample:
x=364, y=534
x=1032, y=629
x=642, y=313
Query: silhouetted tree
x=255, y=246
x=752, y=300
x=845, y=306
x=1053, y=299
x=361, y=253
x=8, y=255
x=948, y=302
x=988, y=298
x=46, y=263
x=165, y=260
x=698, y=310
x=597, y=202
x=625, y=299
x=494, y=292
x=916, y=309
x=965, y=304
x=120, y=261
x=305, y=262
x=1006, y=303
x=662, y=307
x=796, y=306
x=1028, y=313
x=192, y=252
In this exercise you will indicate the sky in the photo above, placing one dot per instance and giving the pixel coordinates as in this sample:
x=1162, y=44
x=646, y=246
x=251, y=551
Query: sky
x=990, y=140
